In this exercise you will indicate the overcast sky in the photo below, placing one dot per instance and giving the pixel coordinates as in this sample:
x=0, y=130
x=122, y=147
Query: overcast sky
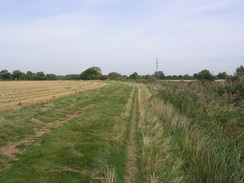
x=125, y=36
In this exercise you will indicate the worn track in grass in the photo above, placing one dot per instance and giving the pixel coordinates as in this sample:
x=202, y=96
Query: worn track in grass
x=131, y=166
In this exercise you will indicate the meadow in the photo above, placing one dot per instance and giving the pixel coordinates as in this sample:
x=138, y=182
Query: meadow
x=120, y=132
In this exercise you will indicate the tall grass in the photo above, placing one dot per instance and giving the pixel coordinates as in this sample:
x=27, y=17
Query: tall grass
x=220, y=114
x=208, y=154
x=157, y=161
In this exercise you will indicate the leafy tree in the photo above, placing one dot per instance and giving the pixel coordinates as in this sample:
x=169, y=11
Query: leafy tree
x=5, y=75
x=205, y=75
x=114, y=75
x=149, y=77
x=187, y=77
x=222, y=75
x=17, y=74
x=240, y=73
x=195, y=75
x=28, y=76
x=134, y=76
x=159, y=75
x=40, y=76
x=72, y=76
x=104, y=77
x=93, y=73
x=51, y=77
x=240, y=70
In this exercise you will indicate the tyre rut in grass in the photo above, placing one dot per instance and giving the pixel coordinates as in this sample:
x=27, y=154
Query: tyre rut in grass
x=131, y=166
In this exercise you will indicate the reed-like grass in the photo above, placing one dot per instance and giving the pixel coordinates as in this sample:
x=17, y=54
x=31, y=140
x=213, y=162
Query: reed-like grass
x=157, y=161
x=207, y=157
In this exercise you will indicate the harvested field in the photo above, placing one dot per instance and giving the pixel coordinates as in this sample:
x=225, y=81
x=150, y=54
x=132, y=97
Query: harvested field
x=18, y=94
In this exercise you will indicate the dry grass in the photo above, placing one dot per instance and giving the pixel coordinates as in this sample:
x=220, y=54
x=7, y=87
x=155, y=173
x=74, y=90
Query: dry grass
x=19, y=94
x=157, y=161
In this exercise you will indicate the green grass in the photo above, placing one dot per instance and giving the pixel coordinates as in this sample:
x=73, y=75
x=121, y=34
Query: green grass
x=200, y=138
x=70, y=152
x=186, y=132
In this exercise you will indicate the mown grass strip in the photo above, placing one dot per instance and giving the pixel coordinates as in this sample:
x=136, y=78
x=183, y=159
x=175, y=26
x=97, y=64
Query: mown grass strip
x=69, y=153
x=111, y=163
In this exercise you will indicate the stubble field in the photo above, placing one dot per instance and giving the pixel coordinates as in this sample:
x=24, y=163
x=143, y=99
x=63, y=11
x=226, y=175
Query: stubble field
x=19, y=94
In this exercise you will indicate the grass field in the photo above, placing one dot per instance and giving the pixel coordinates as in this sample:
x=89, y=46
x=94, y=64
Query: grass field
x=119, y=132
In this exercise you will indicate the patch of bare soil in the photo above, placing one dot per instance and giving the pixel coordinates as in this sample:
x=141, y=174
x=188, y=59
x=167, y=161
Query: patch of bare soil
x=131, y=166
x=10, y=150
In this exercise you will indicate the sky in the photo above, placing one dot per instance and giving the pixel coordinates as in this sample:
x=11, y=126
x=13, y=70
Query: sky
x=125, y=36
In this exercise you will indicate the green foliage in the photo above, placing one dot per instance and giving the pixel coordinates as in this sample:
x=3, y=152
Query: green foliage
x=212, y=106
x=114, y=75
x=211, y=140
x=104, y=77
x=93, y=73
x=223, y=75
x=205, y=75
x=51, y=77
x=28, y=76
x=72, y=77
x=134, y=76
x=159, y=75
x=5, y=75
x=240, y=73
x=40, y=76
x=17, y=74
x=149, y=77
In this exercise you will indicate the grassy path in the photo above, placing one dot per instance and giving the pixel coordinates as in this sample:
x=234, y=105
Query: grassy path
x=131, y=166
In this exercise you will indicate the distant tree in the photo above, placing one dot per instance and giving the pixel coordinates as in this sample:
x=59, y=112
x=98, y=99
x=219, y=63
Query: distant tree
x=40, y=76
x=17, y=74
x=205, y=75
x=104, y=77
x=149, y=77
x=114, y=75
x=222, y=75
x=124, y=77
x=134, y=76
x=72, y=76
x=187, y=77
x=195, y=75
x=5, y=75
x=51, y=77
x=240, y=73
x=93, y=73
x=28, y=76
x=159, y=75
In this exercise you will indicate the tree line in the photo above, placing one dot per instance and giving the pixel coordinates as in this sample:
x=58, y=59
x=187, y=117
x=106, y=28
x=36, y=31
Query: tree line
x=95, y=73
x=19, y=75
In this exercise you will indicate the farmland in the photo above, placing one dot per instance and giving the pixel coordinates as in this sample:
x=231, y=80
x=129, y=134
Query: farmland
x=19, y=94
x=119, y=132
